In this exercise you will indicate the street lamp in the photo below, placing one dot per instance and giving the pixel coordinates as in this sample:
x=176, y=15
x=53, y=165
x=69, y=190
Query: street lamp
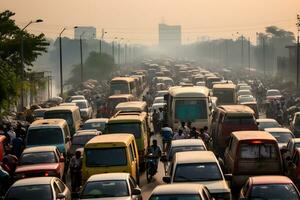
x=113, y=48
x=101, y=39
x=22, y=59
x=60, y=63
x=81, y=62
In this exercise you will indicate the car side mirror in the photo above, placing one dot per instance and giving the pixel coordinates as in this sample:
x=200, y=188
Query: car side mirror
x=163, y=158
x=166, y=179
x=136, y=191
x=61, y=159
x=228, y=177
x=60, y=196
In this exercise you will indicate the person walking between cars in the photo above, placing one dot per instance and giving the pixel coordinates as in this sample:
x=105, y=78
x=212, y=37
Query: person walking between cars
x=155, y=151
x=75, y=169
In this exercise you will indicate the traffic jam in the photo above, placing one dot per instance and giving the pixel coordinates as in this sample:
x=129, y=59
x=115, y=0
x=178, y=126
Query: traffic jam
x=166, y=130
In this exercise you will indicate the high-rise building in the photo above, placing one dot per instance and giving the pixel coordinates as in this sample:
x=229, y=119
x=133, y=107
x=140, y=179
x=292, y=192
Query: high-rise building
x=89, y=32
x=169, y=36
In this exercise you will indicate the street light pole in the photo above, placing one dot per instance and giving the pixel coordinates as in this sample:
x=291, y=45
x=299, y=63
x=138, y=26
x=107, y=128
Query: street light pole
x=81, y=62
x=22, y=60
x=60, y=64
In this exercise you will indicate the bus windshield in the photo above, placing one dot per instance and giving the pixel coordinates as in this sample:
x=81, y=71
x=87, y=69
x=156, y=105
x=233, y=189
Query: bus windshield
x=224, y=96
x=119, y=88
x=190, y=110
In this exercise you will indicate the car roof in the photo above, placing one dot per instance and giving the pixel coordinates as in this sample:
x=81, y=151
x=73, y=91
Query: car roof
x=193, y=91
x=122, y=78
x=280, y=129
x=266, y=120
x=187, y=142
x=195, y=157
x=250, y=135
x=108, y=176
x=224, y=86
x=178, y=188
x=270, y=180
x=33, y=181
x=96, y=120
x=39, y=149
x=111, y=138
x=127, y=116
x=236, y=109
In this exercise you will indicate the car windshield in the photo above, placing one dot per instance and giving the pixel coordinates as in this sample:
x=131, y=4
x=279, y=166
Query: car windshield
x=197, y=172
x=100, y=126
x=29, y=192
x=258, y=151
x=133, y=128
x=60, y=115
x=190, y=110
x=81, y=104
x=45, y=136
x=38, y=158
x=175, y=150
x=282, y=137
x=274, y=191
x=99, y=158
x=176, y=197
x=104, y=189
x=81, y=139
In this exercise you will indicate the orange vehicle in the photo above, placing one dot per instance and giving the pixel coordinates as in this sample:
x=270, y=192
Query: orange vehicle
x=293, y=168
x=2, y=146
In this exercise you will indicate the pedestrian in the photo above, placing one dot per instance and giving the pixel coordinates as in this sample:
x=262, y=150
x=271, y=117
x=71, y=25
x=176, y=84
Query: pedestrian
x=75, y=170
x=167, y=135
x=11, y=133
x=160, y=118
x=17, y=146
x=194, y=133
x=155, y=120
x=180, y=135
x=11, y=161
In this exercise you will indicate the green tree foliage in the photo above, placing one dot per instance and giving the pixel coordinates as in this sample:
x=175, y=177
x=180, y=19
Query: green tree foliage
x=96, y=66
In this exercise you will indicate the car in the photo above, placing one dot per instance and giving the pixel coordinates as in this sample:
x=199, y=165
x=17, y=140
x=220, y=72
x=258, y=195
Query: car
x=41, y=161
x=243, y=92
x=245, y=98
x=81, y=137
x=96, y=123
x=289, y=151
x=245, y=87
x=282, y=135
x=39, y=113
x=119, y=186
x=269, y=187
x=39, y=188
x=273, y=94
x=264, y=123
x=85, y=109
x=293, y=168
x=295, y=124
x=179, y=191
x=159, y=100
x=201, y=167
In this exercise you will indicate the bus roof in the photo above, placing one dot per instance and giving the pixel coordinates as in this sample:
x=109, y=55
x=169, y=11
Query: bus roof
x=253, y=135
x=128, y=79
x=132, y=106
x=189, y=91
x=121, y=117
x=111, y=138
x=224, y=86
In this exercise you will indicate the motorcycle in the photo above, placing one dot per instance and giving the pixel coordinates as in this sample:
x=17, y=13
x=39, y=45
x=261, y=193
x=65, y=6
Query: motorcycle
x=151, y=164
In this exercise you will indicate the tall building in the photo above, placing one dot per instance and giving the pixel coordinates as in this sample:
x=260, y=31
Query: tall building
x=89, y=32
x=169, y=36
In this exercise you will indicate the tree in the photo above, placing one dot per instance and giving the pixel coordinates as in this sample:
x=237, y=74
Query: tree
x=96, y=66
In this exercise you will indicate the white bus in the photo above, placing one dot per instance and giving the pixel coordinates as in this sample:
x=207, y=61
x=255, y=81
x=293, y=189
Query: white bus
x=188, y=104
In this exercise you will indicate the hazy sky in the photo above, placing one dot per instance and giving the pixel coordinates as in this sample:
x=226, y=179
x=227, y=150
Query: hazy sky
x=137, y=20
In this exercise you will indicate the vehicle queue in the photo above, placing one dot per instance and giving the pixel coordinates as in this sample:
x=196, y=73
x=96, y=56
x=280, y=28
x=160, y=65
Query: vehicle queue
x=225, y=148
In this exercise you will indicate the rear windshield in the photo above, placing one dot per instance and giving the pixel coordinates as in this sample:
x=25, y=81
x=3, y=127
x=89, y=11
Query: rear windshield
x=60, y=115
x=45, y=136
x=30, y=192
x=103, y=157
x=274, y=191
x=282, y=137
x=175, y=150
x=81, y=140
x=38, y=158
x=258, y=151
x=239, y=120
x=133, y=128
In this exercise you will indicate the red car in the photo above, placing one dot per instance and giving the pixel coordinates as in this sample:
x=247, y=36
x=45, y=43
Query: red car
x=269, y=187
x=41, y=161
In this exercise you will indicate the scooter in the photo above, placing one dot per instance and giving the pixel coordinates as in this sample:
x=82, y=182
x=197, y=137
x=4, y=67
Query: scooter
x=151, y=166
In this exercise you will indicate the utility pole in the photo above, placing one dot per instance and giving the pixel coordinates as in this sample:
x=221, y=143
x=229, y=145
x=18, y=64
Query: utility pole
x=81, y=61
x=298, y=28
x=60, y=64
x=242, y=53
x=264, y=55
x=249, y=54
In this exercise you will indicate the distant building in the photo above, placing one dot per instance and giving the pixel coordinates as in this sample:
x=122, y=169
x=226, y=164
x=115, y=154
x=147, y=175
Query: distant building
x=89, y=32
x=169, y=36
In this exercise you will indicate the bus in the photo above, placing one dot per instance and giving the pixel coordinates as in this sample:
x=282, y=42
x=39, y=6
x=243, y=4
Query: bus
x=188, y=104
x=225, y=92
x=123, y=85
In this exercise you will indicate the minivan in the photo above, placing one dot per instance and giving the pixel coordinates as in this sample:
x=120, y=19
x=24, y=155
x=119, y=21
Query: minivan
x=252, y=153
x=110, y=153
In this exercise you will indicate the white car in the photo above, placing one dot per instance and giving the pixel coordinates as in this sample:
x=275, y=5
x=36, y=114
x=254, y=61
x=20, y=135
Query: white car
x=245, y=98
x=159, y=100
x=86, y=110
x=282, y=135
x=96, y=123
x=243, y=92
x=112, y=186
x=267, y=123
x=199, y=167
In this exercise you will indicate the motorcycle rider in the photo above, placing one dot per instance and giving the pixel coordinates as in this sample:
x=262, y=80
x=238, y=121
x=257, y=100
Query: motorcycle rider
x=155, y=151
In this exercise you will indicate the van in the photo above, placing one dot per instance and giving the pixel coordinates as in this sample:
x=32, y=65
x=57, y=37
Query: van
x=135, y=123
x=252, y=153
x=114, y=100
x=225, y=92
x=110, y=153
x=229, y=118
x=69, y=113
x=50, y=132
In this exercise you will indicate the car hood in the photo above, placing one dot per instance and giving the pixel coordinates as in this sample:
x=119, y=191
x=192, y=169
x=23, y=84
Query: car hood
x=37, y=167
x=110, y=198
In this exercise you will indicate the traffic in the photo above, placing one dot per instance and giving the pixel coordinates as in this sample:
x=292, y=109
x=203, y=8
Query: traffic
x=167, y=130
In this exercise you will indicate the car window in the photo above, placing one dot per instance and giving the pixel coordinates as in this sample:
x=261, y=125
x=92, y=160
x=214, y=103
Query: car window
x=61, y=185
x=258, y=151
